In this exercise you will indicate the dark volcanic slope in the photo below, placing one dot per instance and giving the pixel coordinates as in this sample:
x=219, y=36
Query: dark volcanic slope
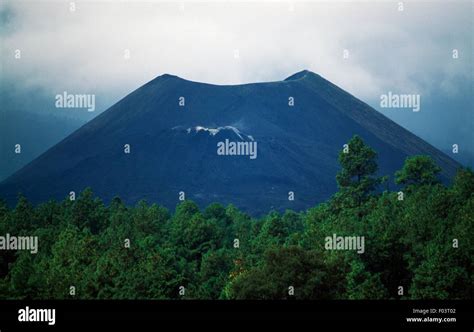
x=170, y=152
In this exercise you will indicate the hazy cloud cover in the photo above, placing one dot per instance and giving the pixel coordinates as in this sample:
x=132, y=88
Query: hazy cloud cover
x=407, y=51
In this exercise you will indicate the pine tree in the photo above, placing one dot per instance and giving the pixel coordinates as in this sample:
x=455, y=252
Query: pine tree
x=418, y=171
x=357, y=179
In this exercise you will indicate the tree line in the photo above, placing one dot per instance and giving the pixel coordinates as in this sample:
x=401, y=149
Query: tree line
x=418, y=243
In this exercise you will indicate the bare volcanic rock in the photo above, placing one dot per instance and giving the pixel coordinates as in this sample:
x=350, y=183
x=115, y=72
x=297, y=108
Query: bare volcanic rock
x=249, y=145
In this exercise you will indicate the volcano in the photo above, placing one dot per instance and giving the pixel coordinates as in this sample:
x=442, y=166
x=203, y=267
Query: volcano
x=161, y=142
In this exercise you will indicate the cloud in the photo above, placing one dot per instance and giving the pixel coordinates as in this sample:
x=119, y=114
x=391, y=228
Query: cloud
x=84, y=50
x=407, y=51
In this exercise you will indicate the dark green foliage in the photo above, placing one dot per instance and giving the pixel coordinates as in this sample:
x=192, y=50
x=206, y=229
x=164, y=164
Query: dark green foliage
x=423, y=242
x=356, y=180
x=283, y=268
x=418, y=170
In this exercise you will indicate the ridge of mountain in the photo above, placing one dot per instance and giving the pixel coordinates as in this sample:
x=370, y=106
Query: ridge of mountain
x=298, y=145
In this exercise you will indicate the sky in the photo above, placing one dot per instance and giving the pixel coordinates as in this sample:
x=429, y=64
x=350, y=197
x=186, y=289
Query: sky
x=111, y=48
